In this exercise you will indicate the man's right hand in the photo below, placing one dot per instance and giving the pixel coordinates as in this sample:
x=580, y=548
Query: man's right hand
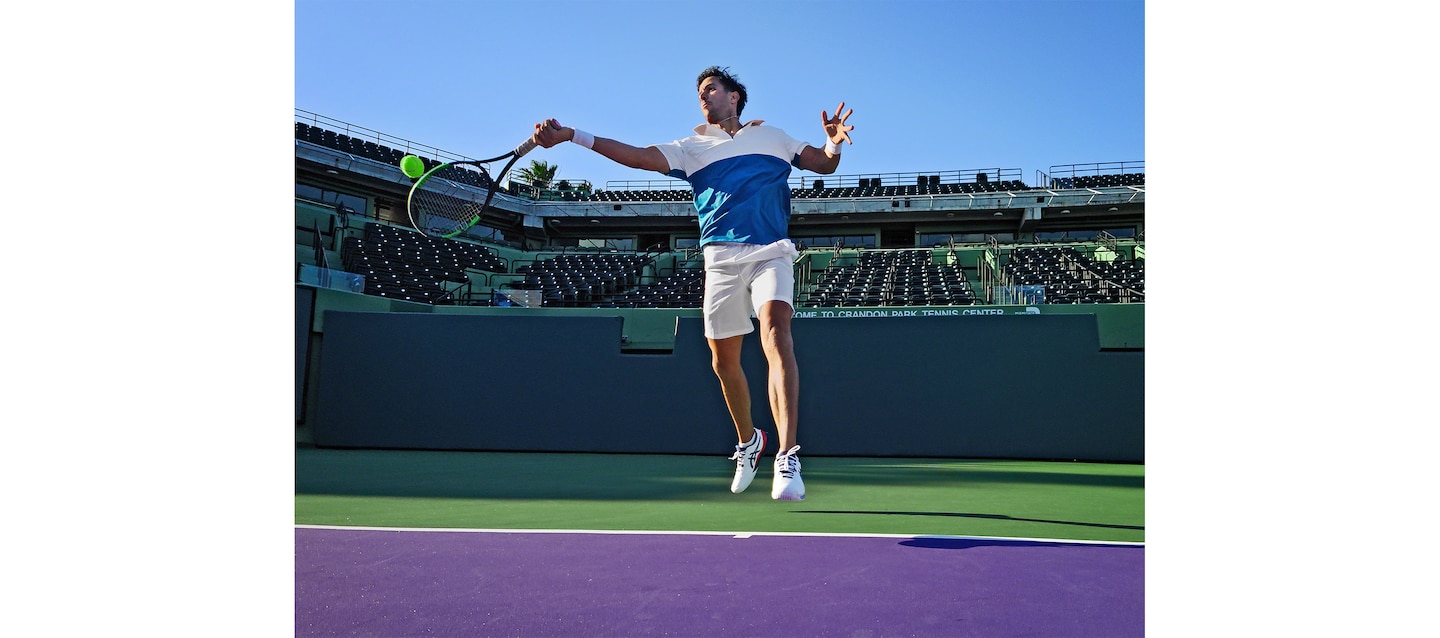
x=549, y=133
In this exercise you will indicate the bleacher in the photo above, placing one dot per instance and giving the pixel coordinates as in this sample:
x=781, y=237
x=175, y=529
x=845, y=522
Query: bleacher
x=400, y=263
x=882, y=278
x=1100, y=181
x=684, y=288
x=654, y=195
x=876, y=189
x=575, y=281
x=1097, y=175
x=404, y=264
x=1071, y=276
x=869, y=187
x=383, y=153
x=843, y=187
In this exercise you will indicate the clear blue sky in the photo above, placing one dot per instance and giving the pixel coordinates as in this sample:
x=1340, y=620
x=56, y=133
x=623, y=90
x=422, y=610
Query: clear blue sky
x=935, y=85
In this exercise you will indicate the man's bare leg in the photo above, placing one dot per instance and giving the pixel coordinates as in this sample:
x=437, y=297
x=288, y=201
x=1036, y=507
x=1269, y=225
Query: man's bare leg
x=784, y=375
x=784, y=387
x=725, y=359
x=725, y=355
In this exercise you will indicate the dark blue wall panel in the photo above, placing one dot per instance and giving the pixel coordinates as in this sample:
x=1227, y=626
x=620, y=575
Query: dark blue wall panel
x=1002, y=386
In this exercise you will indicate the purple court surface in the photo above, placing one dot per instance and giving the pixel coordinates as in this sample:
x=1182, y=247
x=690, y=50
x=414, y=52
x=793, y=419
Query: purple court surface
x=376, y=582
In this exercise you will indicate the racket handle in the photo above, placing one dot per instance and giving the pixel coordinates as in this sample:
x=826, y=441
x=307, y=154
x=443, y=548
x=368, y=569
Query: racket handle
x=525, y=147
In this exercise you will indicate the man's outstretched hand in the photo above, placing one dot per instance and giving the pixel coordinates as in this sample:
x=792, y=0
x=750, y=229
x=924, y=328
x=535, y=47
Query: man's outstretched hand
x=550, y=133
x=835, y=127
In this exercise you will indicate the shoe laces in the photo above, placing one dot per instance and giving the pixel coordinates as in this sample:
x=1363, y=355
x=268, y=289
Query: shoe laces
x=740, y=448
x=787, y=463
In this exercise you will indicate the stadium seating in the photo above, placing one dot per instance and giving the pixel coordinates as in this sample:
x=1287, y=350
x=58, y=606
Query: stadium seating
x=662, y=195
x=1099, y=181
x=685, y=288
x=400, y=263
x=871, y=186
x=577, y=281
x=404, y=264
x=381, y=153
x=890, y=278
x=1070, y=276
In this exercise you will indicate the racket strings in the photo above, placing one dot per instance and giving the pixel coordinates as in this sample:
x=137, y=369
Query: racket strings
x=444, y=206
x=455, y=198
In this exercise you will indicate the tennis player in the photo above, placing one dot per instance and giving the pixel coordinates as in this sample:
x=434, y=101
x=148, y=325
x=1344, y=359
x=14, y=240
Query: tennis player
x=740, y=175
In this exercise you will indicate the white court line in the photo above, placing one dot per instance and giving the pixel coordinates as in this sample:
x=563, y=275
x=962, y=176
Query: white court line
x=739, y=535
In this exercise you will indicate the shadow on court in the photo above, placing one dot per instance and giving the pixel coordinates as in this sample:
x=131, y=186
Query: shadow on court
x=993, y=517
x=925, y=542
x=960, y=473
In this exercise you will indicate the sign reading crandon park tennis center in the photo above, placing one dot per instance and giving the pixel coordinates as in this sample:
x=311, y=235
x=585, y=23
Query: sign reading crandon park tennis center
x=913, y=312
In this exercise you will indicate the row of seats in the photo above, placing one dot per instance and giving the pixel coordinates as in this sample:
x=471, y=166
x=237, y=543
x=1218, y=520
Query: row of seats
x=348, y=144
x=403, y=264
x=683, y=195
x=1071, y=276
x=890, y=278
x=869, y=187
x=1099, y=181
x=917, y=190
x=413, y=245
x=395, y=286
x=873, y=297
x=398, y=263
x=685, y=288
x=384, y=154
x=571, y=281
x=663, y=195
x=363, y=257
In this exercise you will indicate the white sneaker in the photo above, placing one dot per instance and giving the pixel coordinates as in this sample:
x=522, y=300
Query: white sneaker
x=788, y=486
x=747, y=460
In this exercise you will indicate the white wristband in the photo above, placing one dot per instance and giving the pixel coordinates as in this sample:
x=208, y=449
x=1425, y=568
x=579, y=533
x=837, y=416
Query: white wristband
x=832, y=148
x=584, y=139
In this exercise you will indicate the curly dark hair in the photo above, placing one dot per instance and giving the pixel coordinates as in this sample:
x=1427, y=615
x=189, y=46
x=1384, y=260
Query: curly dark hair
x=727, y=80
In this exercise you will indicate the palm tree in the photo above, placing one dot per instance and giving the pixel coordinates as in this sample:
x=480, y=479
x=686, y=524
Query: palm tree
x=538, y=173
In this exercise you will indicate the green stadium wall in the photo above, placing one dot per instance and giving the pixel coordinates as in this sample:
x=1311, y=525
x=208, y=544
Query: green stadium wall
x=977, y=382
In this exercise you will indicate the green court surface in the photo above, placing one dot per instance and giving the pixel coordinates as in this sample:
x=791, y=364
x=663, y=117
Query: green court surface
x=572, y=491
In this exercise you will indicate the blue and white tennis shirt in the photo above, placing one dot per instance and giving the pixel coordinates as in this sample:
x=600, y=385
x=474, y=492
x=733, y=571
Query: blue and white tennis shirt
x=741, y=183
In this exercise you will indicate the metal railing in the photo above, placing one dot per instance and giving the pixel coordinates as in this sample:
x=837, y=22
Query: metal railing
x=858, y=180
x=1096, y=168
x=1069, y=172
x=340, y=127
x=1042, y=179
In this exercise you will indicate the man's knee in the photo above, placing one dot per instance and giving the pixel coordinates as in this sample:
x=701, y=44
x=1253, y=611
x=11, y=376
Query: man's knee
x=723, y=366
x=725, y=357
x=775, y=326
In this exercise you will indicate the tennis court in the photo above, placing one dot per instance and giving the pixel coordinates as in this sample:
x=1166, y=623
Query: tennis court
x=403, y=542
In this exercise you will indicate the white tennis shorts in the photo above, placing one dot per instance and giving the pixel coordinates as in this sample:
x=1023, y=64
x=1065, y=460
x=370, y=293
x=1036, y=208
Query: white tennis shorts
x=740, y=278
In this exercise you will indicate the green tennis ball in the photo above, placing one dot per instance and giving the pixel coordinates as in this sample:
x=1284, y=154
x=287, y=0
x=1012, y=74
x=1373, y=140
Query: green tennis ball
x=412, y=167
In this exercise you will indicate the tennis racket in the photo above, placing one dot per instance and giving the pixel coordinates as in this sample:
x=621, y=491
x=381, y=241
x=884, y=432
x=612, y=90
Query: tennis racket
x=451, y=198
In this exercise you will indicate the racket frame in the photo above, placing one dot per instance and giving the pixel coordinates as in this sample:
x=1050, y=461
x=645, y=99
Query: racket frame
x=411, y=204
